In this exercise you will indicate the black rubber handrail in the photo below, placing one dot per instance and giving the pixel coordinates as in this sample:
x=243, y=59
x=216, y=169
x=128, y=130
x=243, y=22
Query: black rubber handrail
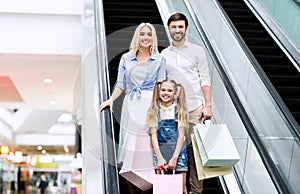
x=110, y=171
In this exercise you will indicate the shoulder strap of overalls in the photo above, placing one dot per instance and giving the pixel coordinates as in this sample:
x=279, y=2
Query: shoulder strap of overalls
x=175, y=116
x=158, y=116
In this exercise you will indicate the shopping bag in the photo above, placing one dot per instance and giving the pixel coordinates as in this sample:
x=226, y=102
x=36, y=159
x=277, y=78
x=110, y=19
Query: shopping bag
x=141, y=179
x=167, y=184
x=205, y=172
x=138, y=164
x=215, y=144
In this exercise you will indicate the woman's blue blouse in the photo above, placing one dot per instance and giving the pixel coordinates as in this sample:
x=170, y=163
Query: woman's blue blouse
x=156, y=71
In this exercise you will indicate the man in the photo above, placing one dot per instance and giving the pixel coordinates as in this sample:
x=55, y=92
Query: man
x=43, y=184
x=187, y=64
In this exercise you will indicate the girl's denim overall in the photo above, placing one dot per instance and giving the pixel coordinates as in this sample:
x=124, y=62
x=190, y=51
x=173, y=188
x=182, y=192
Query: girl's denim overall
x=167, y=140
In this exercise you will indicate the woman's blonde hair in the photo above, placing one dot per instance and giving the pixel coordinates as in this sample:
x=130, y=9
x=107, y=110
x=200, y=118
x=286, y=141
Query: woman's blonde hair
x=134, y=45
x=182, y=111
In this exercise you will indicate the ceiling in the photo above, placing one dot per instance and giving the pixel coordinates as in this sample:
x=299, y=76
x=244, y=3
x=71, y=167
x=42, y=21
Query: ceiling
x=32, y=107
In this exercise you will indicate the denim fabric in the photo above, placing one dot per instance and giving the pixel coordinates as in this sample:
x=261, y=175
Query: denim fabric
x=167, y=140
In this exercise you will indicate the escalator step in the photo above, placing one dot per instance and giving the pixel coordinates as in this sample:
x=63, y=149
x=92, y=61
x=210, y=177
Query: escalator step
x=247, y=25
x=278, y=80
x=231, y=5
x=264, y=50
x=294, y=103
x=257, y=40
x=251, y=32
x=289, y=92
x=212, y=186
x=121, y=19
x=263, y=59
x=276, y=70
x=133, y=11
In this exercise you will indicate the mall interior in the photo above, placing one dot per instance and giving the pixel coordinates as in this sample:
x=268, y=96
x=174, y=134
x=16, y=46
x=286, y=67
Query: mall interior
x=59, y=60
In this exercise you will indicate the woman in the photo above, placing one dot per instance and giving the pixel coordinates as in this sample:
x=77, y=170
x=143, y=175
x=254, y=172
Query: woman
x=138, y=72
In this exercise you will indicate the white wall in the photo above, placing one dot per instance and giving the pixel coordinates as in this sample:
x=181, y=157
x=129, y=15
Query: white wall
x=41, y=27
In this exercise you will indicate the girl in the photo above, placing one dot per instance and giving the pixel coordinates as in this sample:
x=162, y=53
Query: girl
x=168, y=122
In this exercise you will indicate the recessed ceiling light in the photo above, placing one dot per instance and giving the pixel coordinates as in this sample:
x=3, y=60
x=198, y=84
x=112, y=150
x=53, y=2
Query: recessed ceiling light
x=48, y=80
x=66, y=149
x=53, y=102
x=44, y=152
x=39, y=147
x=65, y=118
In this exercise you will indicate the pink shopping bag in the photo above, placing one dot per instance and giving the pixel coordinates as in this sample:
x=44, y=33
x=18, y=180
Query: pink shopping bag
x=138, y=164
x=141, y=179
x=167, y=184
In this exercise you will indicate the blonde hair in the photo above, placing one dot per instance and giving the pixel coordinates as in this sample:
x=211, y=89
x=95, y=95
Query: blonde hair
x=134, y=45
x=182, y=111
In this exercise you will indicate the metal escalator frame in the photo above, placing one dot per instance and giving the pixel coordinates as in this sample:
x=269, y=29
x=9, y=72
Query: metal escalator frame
x=266, y=158
x=111, y=180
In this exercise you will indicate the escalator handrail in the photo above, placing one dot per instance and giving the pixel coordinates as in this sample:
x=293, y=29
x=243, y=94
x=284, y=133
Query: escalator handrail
x=265, y=156
x=110, y=173
x=297, y=1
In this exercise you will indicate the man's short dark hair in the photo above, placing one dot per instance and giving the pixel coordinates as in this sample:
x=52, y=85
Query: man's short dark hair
x=176, y=17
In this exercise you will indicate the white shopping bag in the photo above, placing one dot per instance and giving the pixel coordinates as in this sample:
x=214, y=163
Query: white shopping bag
x=206, y=172
x=215, y=144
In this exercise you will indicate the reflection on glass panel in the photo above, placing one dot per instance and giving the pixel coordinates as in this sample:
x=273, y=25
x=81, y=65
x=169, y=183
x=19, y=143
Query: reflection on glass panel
x=287, y=16
x=294, y=177
x=257, y=179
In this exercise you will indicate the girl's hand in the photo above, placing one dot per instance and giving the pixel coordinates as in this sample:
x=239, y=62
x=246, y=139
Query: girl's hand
x=172, y=164
x=162, y=164
x=106, y=104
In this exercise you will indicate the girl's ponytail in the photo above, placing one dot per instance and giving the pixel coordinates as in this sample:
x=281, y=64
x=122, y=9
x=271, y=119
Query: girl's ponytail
x=154, y=106
x=182, y=111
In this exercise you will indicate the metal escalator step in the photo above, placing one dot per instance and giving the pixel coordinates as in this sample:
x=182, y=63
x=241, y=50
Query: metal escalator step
x=251, y=32
x=277, y=69
x=127, y=4
x=132, y=11
x=289, y=92
x=247, y=25
x=274, y=59
x=120, y=18
x=231, y=4
x=293, y=104
x=242, y=18
x=265, y=49
x=279, y=80
x=257, y=40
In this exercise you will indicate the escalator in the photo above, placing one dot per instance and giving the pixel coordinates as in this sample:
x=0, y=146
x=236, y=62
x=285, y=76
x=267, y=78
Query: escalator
x=121, y=19
x=275, y=64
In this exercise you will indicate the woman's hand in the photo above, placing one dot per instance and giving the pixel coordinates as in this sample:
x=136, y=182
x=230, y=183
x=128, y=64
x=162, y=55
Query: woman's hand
x=106, y=104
